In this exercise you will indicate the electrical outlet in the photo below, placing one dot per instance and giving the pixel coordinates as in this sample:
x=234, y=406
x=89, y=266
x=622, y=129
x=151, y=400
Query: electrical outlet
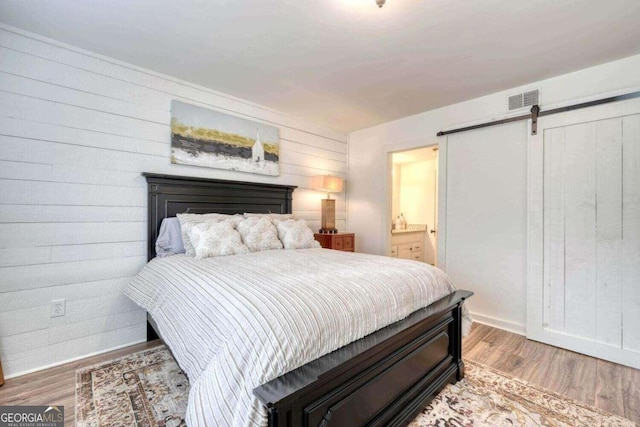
x=57, y=307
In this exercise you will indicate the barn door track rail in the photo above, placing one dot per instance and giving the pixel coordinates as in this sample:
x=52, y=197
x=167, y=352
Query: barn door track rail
x=536, y=112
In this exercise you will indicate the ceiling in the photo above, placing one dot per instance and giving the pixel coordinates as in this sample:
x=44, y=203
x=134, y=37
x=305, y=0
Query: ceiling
x=345, y=63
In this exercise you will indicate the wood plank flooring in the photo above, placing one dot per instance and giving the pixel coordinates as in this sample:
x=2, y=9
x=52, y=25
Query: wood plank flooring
x=57, y=386
x=608, y=386
x=611, y=387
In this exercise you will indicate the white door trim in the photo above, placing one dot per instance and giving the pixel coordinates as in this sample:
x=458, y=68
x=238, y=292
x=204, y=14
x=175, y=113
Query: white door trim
x=413, y=144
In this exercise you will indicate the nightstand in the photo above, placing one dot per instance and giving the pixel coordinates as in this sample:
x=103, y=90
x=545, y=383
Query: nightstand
x=339, y=241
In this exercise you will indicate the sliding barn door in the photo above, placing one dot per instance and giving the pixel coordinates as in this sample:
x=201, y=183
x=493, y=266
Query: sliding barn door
x=584, y=232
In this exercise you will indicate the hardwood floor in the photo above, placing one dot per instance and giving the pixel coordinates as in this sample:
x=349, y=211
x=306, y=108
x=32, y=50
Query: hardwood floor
x=611, y=387
x=57, y=386
x=608, y=386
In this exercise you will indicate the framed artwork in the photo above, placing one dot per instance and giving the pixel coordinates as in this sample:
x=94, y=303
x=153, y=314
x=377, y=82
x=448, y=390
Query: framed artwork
x=207, y=138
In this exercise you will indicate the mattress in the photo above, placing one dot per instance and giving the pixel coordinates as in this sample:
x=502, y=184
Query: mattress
x=236, y=322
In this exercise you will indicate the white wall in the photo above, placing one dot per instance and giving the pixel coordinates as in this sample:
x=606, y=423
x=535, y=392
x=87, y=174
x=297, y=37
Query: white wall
x=416, y=192
x=502, y=279
x=396, y=180
x=486, y=221
x=76, y=131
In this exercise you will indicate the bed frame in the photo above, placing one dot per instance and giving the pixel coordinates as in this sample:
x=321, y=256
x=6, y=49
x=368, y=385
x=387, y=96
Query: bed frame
x=383, y=379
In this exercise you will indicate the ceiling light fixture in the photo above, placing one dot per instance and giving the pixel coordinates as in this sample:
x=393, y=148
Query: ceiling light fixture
x=380, y=3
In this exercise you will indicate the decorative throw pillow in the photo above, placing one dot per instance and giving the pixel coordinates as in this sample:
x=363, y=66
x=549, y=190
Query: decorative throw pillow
x=275, y=218
x=259, y=233
x=296, y=234
x=216, y=238
x=188, y=221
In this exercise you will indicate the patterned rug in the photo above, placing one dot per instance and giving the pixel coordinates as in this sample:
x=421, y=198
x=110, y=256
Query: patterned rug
x=145, y=389
x=487, y=397
x=148, y=389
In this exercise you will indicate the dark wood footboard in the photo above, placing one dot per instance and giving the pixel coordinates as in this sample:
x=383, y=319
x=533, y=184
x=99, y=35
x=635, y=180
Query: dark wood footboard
x=384, y=379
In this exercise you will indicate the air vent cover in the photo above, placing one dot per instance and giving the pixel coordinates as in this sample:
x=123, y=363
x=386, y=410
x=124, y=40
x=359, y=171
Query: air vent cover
x=521, y=100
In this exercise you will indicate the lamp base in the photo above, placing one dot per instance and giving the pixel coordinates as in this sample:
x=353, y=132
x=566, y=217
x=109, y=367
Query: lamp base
x=328, y=231
x=328, y=220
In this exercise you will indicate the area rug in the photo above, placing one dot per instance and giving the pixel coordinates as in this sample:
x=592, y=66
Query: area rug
x=145, y=389
x=148, y=389
x=490, y=398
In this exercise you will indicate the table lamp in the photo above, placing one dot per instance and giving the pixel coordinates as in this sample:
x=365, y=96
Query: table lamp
x=328, y=184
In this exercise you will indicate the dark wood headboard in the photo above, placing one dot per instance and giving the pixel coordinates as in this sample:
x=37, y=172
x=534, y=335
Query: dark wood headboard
x=170, y=195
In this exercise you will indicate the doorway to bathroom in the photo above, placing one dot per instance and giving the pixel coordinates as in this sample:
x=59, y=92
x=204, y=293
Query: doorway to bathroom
x=414, y=204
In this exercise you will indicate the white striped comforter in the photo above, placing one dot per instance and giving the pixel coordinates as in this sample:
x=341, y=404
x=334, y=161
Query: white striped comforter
x=236, y=322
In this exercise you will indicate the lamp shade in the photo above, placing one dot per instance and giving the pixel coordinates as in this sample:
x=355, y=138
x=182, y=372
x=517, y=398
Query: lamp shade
x=327, y=183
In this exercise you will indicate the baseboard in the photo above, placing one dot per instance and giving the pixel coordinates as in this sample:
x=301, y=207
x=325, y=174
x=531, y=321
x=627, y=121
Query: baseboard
x=516, y=328
x=74, y=359
x=506, y=325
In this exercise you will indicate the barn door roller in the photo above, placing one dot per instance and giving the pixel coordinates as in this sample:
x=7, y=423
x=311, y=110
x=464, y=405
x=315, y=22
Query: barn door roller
x=535, y=110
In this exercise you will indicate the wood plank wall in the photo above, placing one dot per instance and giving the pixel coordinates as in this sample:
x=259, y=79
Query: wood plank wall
x=76, y=131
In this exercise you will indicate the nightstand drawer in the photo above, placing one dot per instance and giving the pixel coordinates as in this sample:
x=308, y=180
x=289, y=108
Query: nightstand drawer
x=338, y=241
x=348, y=242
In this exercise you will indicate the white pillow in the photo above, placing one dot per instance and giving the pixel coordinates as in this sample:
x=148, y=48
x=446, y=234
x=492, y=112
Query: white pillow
x=259, y=233
x=275, y=218
x=296, y=234
x=216, y=238
x=188, y=221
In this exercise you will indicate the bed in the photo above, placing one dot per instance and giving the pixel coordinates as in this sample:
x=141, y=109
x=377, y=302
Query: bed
x=384, y=378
